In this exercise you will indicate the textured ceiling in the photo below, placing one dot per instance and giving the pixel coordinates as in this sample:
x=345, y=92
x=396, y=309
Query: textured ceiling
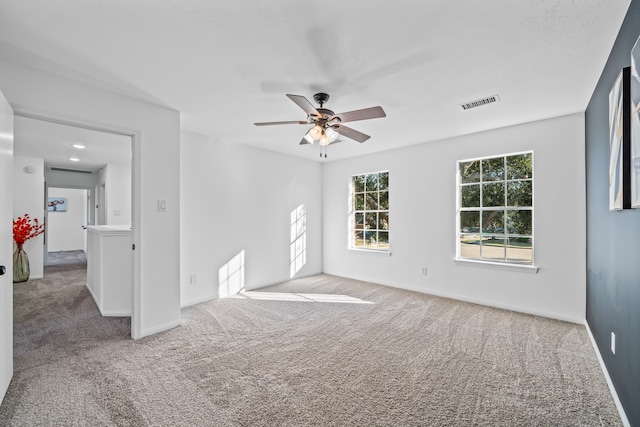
x=225, y=64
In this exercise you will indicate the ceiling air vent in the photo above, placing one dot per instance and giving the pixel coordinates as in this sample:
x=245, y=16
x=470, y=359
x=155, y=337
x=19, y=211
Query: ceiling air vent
x=55, y=169
x=480, y=102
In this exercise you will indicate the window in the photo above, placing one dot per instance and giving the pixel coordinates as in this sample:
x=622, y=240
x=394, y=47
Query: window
x=370, y=211
x=495, y=209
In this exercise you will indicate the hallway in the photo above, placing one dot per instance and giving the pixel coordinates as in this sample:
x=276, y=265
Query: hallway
x=69, y=259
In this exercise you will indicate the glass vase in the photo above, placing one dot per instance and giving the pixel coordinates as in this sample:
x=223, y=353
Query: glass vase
x=20, y=265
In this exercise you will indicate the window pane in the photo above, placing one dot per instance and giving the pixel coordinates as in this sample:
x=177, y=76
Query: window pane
x=470, y=247
x=493, y=194
x=383, y=220
x=383, y=180
x=470, y=195
x=371, y=182
x=496, y=209
x=470, y=222
x=493, y=249
x=520, y=166
x=384, y=200
x=370, y=213
x=359, y=220
x=519, y=193
x=493, y=222
x=372, y=201
x=520, y=250
x=371, y=220
x=519, y=222
x=470, y=171
x=358, y=239
x=370, y=239
x=383, y=240
x=493, y=169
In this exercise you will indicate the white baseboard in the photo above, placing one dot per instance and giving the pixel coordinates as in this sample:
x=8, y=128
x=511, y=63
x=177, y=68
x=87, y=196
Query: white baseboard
x=614, y=394
x=115, y=313
x=108, y=313
x=95, y=300
x=160, y=328
x=479, y=301
x=198, y=301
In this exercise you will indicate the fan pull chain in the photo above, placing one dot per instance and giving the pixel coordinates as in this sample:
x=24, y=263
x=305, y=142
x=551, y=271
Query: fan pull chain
x=325, y=151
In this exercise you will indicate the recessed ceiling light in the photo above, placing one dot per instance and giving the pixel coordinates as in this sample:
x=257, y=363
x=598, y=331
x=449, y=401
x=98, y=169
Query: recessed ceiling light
x=79, y=146
x=74, y=159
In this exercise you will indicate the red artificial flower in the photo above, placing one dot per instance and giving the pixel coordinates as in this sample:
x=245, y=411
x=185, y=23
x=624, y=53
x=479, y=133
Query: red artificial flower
x=23, y=230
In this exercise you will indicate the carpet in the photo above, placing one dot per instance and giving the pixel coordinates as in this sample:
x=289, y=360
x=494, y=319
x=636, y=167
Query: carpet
x=317, y=351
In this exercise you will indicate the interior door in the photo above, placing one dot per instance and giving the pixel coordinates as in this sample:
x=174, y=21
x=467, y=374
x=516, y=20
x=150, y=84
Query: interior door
x=6, y=245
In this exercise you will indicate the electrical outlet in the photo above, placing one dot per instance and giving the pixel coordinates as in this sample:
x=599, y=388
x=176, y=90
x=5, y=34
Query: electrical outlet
x=423, y=271
x=613, y=343
x=192, y=280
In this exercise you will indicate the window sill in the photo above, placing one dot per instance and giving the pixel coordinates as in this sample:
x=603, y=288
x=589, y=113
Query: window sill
x=496, y=265
x=375, y=251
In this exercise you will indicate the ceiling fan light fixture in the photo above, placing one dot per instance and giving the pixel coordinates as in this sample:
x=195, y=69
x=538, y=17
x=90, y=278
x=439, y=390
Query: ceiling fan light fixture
x=327, y=126
x=315, y=132
x=331, y=134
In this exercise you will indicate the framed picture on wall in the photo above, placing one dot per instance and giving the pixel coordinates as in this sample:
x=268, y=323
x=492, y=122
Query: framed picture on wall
x=57, y=204
x=620, y=142
x=635, y=125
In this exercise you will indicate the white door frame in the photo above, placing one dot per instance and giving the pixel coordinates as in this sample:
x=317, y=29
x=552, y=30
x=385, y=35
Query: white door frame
x=6, y=245
x=136, y=303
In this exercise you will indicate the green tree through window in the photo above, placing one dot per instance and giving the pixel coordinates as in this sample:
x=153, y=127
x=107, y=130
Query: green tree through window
x=495, y=209
x=370, y=211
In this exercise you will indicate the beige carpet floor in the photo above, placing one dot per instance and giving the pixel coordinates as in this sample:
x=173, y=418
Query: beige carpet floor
x=318, y=351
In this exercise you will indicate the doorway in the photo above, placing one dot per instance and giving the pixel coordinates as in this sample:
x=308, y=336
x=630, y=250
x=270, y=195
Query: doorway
x=87, y=169
x=67, y=218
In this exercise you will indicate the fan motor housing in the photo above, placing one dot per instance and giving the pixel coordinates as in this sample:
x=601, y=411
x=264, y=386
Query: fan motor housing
x=321, y=98
x=325, y=112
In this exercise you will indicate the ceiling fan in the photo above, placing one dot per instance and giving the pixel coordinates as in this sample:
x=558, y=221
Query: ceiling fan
x=328, y=125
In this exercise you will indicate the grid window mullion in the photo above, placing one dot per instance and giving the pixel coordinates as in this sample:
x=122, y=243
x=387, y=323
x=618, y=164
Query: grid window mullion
x=505, y=231
x=368, y=224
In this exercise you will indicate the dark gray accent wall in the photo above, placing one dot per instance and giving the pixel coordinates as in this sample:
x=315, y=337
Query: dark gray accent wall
x=613, y=239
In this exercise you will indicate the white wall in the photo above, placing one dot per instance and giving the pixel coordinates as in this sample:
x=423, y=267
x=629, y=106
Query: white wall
x=64, y=229
x=28, y=198
x=156, y=136
x=118, y=194
x=234, y=199
x=422, y=220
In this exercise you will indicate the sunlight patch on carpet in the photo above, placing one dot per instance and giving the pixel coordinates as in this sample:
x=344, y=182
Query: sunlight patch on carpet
x=299, y=297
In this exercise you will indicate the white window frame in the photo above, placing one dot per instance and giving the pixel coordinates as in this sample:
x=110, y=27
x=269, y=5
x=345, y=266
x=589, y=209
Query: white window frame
x=353, y=214
x=488, y=262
